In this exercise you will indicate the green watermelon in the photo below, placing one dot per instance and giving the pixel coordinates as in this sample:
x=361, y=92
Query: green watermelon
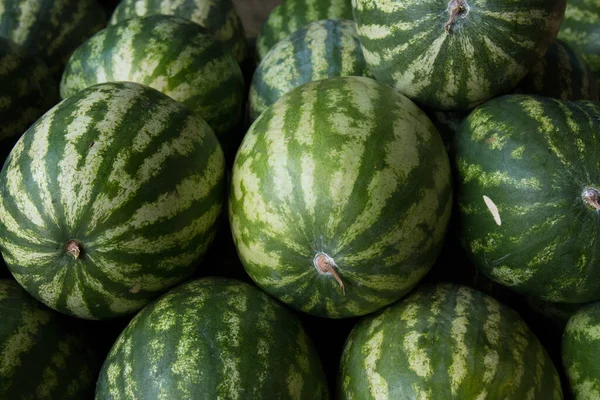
x=581, y=29
x=27, y=90
x=581, y=352
x=219, y=17
x=213, y=338
x=43, y=354
x=454, y=55
x=292, y=15
x=322, y=49
x=529, y=194
x=170, y=54
x=50, y=29
x=340, y=197
x=109, y=199
x=446, y=341
x=562, y=74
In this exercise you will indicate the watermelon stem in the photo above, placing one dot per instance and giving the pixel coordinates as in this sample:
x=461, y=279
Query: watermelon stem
x=592, y=197
x=457, y=7
x=326, y=265
x=74, y=248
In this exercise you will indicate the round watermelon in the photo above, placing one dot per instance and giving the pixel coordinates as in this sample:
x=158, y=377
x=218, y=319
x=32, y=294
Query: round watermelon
x=446, y=341
x=340, y=197
x=529, y=195
x=109, y=199
x=213, y=338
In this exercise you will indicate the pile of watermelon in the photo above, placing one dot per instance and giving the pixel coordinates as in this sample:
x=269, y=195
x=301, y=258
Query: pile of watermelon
x=372, y=199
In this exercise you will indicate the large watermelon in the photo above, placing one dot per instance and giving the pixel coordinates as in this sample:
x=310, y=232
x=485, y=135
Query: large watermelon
x=219, y=17
x=292, y=15
x=529, y=195
x=581, y=352
x=109, y=199
x=43, y=354
x=170, y=54
x=446, y=341
x=50, y=29
x=453, y=55
x=340, y=197
x=322, y=49
x=213, y=338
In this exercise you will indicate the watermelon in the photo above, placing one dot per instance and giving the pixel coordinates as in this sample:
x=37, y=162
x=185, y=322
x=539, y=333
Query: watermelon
x=322, y=49
x=581, y=29
x=27, y=90
x=340, y=197
x=454, y=55
x=292, y=15
x=43, y=354
x=581, y=351
x=446, y=341
x=219, y=17
x=562, y=74
x=213, y=338
x=170, y=54
x=109, y=199
x=528, y=195
x=50, y=29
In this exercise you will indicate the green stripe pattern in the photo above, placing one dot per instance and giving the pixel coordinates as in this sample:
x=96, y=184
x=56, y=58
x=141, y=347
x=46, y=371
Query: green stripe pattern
x=292, y=15
x=43, y=355
x=27, y=90
x=50, y=29
x=346, y=178
x=581, y=29
x=133, y=177
x=218, y=16
x=170, y=54
x=213, y=338
x=581, y=351
x=524, y=164
x=486, y=50
x=322, y=49
x=562, y=74
x=446, y=341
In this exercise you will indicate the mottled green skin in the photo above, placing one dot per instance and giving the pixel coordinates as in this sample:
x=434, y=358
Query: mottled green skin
x=170, y=54
x=350, y=168
x=27, y=90
x=322, y=49
x=133, y=176
x=213, y=338
x=50, y=29
x=532, y=157
x=446, y=341
x=581, y=29
x=292, y=15
x=43, y=355
x=581, y=352
x=562, y=74
x=218, y=16
x=485, y=52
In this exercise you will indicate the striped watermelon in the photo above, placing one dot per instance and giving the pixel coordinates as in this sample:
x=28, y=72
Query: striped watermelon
x=292, y=15
x=27, y=90
x=170, y=54
x=581, y=351
x=528, y=197
x=581, y=29
x=446, y=341
x=213, y=338
x=562, y=74
x=109, y=199
x=322, y=49
x=219, y=17
x=453, y=55
x=43, y=355
x=340, y=197
x=50, y=29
